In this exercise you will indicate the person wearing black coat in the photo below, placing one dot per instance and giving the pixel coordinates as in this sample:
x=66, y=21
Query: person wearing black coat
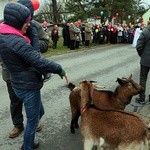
x=25, y=65
x=143, y=50
x=66, y=35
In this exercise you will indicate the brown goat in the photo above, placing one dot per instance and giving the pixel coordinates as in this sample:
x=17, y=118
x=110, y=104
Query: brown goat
x=115, y=129
x=104, y=99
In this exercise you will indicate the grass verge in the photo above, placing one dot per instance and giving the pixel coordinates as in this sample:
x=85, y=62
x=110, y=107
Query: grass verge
x=62, y=49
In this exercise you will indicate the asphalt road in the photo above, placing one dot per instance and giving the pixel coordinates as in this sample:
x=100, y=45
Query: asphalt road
x=103, y=64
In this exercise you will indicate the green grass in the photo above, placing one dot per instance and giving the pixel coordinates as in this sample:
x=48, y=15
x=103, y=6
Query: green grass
x=61, y=49
x=58, y=51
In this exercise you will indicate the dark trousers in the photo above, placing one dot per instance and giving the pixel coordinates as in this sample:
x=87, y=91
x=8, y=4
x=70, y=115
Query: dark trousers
x=143, y=78
x=54, y=44
x=77, y=43
x=15, y=107
x=72, y=44
x=87, y=42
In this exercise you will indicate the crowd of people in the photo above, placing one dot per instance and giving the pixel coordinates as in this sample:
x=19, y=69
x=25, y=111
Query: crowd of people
x=78, y=33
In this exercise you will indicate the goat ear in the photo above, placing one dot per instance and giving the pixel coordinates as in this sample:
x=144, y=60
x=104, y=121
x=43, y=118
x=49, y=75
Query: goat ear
x=119, y=81
x=84, y=81
x=93, y=81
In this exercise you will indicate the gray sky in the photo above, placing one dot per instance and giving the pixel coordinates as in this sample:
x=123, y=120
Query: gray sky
x=3, y=3
x=146, y=2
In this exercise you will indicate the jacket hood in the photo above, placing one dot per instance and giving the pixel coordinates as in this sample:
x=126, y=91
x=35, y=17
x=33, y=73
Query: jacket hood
x=16, y=15
x=30, y=4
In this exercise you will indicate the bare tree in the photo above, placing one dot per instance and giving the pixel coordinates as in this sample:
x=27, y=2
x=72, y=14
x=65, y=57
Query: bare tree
x=51, y=12
x=55, y=11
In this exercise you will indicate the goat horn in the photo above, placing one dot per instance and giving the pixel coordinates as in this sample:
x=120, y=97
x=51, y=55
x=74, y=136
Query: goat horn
x=93, y=81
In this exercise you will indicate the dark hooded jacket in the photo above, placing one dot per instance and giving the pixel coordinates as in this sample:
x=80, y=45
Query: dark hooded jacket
x=39, y=38
x=11, y=18
x=143, y=47
x=24, y=63
x=28, y=4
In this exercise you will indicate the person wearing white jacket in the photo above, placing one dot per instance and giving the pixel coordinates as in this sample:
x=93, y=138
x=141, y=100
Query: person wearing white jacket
x=120, y=33
x=136, y=36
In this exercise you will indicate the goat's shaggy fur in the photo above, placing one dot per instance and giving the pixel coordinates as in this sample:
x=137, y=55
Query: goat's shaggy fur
x=104, y=99
x=110, y=128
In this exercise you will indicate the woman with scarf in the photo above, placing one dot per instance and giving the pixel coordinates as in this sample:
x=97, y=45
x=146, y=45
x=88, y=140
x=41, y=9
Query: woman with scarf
x=25, y=65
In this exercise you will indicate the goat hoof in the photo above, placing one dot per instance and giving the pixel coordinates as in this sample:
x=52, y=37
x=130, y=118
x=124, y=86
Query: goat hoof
x=72, y=131
x=76, y=126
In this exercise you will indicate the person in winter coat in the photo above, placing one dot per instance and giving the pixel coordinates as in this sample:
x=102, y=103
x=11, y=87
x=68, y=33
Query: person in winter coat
x=66, y=35
x=55, y=36
x=137, y=33
x=120, y=33
x=42, y=35
x=114, y=33
x=78, y=35
x=88, y=32
x=83, y=33
x=40, y=41
x=143, y=50
x=73, y=35
x=25, y=65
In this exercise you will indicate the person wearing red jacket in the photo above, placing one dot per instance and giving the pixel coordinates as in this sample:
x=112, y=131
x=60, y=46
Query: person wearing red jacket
x=55, y=36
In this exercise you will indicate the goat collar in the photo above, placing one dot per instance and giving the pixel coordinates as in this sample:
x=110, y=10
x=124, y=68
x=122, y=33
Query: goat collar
x=83, y=108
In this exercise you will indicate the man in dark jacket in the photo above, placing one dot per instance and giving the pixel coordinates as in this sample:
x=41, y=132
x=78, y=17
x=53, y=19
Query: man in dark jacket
x=143, y=49
x=41, y=34
x=25, y=65
x=66, y=35
x=40, y=41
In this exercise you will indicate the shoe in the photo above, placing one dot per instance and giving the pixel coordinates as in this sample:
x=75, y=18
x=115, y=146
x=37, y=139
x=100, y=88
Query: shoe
x=15, y=132
x=39, y=127
x=138, y=100
x=35, y=146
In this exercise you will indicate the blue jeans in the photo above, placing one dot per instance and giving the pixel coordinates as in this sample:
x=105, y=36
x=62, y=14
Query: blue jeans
x=34, y=111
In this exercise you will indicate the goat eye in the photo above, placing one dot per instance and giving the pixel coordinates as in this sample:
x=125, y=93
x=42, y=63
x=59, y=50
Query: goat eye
x=130, y=84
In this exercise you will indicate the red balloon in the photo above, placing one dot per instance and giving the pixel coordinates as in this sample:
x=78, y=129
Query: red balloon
x=35, y=4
